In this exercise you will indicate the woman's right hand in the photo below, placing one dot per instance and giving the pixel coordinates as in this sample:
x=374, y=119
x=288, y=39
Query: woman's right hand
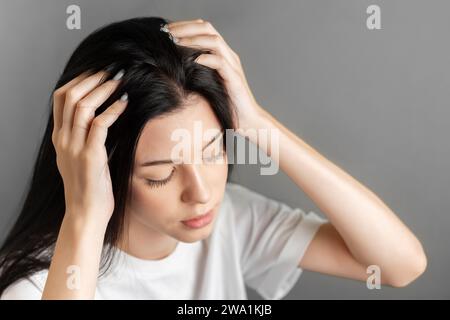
x=79, y=140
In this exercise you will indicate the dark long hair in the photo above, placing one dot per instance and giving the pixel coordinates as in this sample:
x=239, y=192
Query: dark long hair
x=159, y=76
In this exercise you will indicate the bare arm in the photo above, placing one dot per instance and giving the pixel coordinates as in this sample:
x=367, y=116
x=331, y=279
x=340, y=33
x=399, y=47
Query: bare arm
x=79, y=141
x=363, y=231
x=75, y=264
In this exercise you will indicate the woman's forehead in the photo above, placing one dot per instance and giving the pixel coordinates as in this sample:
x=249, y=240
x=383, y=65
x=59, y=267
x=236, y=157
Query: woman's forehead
x=195, y=120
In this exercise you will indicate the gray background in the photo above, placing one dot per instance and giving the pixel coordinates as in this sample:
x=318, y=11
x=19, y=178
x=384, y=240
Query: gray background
x=374, y=102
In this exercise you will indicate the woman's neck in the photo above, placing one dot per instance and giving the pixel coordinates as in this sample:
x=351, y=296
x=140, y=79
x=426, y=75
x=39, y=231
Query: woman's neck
x=143, y=242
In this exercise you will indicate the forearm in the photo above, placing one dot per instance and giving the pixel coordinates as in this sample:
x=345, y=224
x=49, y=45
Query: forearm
x=75, y=264
x=371, y=231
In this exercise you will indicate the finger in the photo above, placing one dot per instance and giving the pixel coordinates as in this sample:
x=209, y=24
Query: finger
x=211, y=42
x=182, y=22
x=58, y=100
x=218, y=63
x=192, y=29
x=99, y=128
x=75, y=94
x=85, y=111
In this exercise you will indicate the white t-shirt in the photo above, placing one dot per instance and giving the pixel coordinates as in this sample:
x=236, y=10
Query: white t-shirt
x=255, y=241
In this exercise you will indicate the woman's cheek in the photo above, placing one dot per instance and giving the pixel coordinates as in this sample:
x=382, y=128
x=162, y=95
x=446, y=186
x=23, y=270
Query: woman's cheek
x=147, y=201
x=218, y=176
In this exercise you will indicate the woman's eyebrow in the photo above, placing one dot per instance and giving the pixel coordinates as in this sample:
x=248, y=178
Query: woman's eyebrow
x=157, y=162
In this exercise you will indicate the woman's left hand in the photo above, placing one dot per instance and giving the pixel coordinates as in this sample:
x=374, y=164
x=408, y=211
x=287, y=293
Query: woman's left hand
x=201, y=34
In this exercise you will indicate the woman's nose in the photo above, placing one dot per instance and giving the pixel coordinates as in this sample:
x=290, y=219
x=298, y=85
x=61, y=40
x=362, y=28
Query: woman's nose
x=196, y=187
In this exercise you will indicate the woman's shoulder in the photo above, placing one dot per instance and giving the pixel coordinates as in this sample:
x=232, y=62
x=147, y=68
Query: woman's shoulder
x=252, y=207
x=27, y=288
x=246, y=200
x=241, y=194
x=247, y=206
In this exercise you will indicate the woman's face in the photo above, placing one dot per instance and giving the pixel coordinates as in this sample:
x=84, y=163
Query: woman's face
x=165, y=194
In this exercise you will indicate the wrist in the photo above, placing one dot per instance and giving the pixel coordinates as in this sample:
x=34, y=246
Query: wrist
x=260, y=120
x=83, y=224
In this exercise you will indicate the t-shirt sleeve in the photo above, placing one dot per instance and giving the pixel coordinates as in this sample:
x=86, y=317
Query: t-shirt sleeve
x=24, y=289
x=273, y=238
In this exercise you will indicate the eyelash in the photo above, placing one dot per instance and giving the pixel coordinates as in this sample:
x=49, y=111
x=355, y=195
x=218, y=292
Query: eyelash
x=160, y=183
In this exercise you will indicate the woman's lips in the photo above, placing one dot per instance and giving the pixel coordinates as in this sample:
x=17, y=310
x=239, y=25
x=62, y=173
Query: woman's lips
x=201, y=221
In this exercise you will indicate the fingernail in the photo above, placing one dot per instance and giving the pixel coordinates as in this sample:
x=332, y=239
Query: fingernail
x=124, y=97
x=119, y=75
x=175, y=39
x=165, y=28
x=109, y=68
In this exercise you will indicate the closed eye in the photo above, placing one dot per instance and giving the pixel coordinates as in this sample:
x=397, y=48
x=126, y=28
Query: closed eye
x=158, y=183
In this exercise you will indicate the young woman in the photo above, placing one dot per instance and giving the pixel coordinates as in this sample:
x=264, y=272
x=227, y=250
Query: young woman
x=110, y=215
